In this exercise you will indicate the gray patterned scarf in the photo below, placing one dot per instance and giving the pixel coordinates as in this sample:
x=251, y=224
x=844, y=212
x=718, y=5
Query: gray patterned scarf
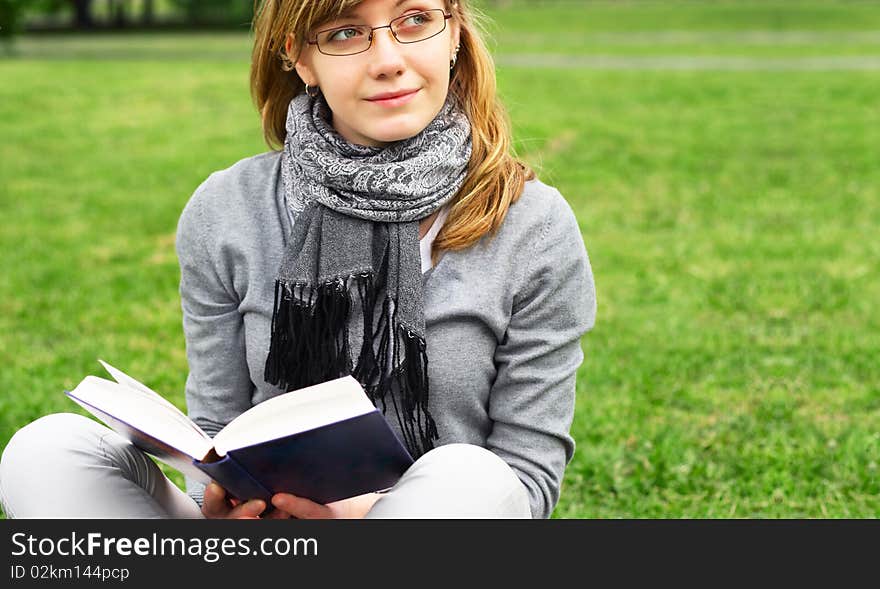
x=356, y=212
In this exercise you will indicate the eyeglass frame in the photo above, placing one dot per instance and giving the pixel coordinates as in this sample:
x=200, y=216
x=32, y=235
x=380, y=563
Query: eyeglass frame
x=446, y=17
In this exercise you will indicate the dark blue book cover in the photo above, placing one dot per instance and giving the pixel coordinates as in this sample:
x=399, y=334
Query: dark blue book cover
x=336, y=461
x=326, y=442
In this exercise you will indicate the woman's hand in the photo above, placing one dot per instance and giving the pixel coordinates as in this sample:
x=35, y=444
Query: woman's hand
x=216, y=506
x=288, y=505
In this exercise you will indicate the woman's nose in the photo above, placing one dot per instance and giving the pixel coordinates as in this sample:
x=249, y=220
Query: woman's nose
x=387, y=55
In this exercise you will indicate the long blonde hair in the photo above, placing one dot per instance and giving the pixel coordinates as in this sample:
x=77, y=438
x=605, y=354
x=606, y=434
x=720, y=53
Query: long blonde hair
x=495, y=176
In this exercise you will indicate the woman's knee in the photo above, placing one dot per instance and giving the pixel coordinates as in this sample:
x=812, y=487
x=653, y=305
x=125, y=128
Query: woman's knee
x=58, y=430
x=67, y=465
x=41, y=451
x=464, y=458
x=456, y=480
x=54, y=442
x=470, y=464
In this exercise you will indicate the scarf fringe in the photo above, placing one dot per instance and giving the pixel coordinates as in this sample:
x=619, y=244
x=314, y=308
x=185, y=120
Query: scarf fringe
x=310, y=344
x=320, y=351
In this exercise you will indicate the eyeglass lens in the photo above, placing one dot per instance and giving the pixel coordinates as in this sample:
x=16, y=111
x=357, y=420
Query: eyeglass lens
x=407, y=29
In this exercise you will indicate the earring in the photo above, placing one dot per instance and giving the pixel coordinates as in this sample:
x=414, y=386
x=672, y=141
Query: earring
x=286, y=63
x=317, y=90
x=454, y=57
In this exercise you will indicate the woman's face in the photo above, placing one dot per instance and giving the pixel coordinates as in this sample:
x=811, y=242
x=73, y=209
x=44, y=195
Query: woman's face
x=349, y=82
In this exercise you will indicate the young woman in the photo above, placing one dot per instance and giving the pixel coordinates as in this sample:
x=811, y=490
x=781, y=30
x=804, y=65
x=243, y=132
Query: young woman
x=393, y=236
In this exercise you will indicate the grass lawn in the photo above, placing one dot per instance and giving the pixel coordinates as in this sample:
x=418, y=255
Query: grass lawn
x=730, y=211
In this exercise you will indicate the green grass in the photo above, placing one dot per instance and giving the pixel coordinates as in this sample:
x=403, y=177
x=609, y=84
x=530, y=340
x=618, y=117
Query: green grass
x=730, y=218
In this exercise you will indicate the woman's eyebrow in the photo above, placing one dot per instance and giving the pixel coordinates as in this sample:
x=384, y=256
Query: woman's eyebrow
x=352, y=12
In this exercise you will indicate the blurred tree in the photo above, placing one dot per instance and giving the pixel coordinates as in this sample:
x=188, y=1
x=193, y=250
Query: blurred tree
x=91, y=14
x=217, y=11
x=82, y=14
x=118, y=13
x=10, y=14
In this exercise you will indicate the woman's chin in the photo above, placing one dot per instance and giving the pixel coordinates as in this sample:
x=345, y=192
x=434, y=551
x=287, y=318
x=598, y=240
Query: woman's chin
x=398, y=132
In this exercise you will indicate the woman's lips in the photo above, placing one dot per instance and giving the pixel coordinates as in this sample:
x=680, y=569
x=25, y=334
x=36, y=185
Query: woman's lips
x=396, y=101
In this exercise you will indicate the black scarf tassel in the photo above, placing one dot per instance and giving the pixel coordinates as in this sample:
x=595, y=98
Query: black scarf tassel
x=309, y=345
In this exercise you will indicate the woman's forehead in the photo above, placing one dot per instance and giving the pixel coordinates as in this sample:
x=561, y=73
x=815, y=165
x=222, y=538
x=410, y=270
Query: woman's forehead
x=354, y=8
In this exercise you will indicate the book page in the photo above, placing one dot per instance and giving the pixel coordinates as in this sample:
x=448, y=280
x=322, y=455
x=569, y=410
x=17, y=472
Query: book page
x=125, y=379
x=148, y=414
x=294, y=412
x=149, y=444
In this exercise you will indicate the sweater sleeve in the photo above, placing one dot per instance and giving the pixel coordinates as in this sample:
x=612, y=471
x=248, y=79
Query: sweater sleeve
x=218, y=386
x=532, y=399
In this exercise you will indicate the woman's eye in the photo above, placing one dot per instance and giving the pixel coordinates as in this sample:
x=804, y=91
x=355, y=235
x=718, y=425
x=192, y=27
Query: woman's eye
x=344, y=34
x=418, y=19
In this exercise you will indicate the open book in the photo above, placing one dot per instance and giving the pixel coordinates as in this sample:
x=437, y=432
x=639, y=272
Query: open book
x=324, y=442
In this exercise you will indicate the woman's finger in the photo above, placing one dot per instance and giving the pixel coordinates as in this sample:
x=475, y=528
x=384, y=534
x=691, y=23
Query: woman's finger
x=248, y=509
x=277, y=514
x=300, y=507
x=214, y=502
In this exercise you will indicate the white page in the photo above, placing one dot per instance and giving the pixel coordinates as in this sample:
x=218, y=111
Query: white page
x=125, y=379
x=295, y=411
x=143, y=412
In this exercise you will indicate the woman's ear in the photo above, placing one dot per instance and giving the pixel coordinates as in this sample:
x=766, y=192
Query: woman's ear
x=302, y=66
x=454, y=37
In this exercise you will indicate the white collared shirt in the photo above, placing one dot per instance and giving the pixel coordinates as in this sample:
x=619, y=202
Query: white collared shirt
x=426, y=242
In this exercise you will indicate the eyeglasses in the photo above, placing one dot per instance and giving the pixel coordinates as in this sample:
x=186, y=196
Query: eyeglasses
x=409, y=28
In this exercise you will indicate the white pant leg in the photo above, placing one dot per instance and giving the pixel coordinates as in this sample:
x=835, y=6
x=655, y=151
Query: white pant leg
x=65, y=465
x=456, y=481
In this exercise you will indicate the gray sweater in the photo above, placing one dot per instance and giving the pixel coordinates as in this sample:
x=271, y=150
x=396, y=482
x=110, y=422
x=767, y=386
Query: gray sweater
x=504, y=320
